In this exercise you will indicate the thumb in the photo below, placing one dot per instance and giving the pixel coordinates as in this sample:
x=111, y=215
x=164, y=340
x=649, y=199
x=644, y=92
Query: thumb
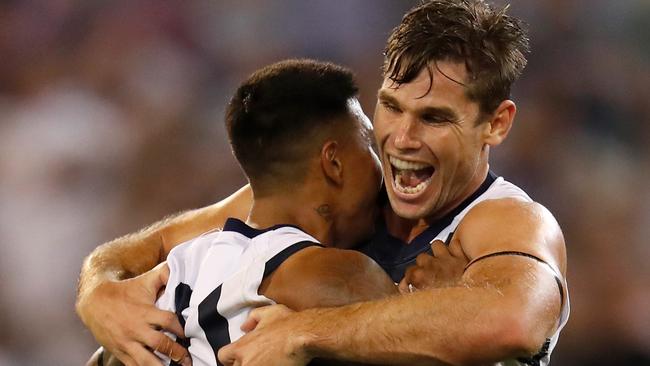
x=226, y=354
x=260, y=316
x=253, y=319
x=155, y=279
x=162, y=270
x=249, y=324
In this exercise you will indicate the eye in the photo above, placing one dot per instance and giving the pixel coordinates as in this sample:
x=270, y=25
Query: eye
x=390, y=107
x=434, y=119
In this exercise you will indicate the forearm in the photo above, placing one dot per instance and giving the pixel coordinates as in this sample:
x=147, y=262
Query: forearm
x=457, y=325
x=405, y=330
x=137, y=253
x=121, y=258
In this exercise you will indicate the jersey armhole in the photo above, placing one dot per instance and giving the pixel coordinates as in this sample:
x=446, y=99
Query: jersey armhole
x=275, y=261
x=557, y=277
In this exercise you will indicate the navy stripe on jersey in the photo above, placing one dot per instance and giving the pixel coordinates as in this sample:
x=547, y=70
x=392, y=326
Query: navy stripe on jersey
x=182, y=294
x=238, y=226
x=214, y=324
x=273, y=263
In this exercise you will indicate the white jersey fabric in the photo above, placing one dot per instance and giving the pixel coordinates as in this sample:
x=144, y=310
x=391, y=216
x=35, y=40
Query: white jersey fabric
x=214, y=280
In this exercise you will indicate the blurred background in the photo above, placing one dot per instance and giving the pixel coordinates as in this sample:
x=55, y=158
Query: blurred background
x=111, y=118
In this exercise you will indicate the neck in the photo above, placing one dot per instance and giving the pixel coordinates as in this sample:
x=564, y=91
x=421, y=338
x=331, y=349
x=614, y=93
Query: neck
x=311, y=216
x=401, y=228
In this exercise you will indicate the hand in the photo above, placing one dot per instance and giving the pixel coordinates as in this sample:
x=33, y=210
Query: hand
x=442, y=269
x=272, y=340
x=123, y=318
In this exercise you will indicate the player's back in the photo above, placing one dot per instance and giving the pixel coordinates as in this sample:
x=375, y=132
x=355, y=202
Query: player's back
x=214, y=281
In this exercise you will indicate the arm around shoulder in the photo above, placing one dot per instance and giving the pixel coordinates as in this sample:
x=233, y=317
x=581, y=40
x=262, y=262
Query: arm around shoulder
x=118, y=309
x=505, y=307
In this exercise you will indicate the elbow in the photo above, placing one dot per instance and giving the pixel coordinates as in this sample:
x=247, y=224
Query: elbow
x=510, y=335
x=517, y=334
x=521, y=337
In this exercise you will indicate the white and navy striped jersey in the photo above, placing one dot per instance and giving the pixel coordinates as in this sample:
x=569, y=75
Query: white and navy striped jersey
x=214, y=280
x=394, y=255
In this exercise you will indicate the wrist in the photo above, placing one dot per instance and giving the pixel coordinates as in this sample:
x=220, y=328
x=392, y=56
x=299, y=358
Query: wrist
x=91, y=285
x=312, y=340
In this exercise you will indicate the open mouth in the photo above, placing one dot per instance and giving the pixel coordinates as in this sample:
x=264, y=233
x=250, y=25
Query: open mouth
x=410, y=177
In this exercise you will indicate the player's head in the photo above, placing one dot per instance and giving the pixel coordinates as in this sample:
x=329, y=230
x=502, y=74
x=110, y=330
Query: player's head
x=448, y=69
x=297, y=122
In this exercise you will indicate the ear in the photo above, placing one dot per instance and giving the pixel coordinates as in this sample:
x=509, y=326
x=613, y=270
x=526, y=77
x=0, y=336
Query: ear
x=331, y=162
x=497, y=128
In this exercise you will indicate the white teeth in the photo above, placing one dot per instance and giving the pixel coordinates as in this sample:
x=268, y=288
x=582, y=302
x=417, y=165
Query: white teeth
x=410, y=190
x=406, y=165
x=401, y=165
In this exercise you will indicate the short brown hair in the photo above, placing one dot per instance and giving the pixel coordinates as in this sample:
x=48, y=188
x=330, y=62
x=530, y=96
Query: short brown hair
x=491, y=43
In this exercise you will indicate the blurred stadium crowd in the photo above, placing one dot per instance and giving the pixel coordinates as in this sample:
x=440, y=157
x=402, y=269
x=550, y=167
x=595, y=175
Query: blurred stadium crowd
x=111, y=118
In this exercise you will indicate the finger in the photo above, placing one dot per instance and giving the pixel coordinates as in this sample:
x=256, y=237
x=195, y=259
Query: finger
x=439, y=249
x=166, y=320
x=163, y=272
x=417, y=279
x=124, y=358
x=423, y=259
x=261, y=313
x=408, y=277
x=403, y=286
x=155, y=279
x=249, y=324
x=142, y=356
x=170, y=348
x=127, y=362
x=268, y=314
x=226, y=354
x=456, y=250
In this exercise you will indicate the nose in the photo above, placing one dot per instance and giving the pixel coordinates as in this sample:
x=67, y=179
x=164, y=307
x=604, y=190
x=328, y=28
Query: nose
x=406, y=135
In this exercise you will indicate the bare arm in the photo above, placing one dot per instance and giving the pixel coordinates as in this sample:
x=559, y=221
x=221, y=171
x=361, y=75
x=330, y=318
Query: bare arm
x=118, y=309
x=325, y=277
x=505, y=308
x=320, y=277
x=136, y=253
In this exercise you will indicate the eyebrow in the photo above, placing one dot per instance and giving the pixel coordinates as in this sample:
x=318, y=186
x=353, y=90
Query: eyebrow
x=444, y=112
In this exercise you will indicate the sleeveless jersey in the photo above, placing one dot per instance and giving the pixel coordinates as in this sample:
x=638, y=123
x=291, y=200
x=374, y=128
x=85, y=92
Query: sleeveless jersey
x=394, y=255
x=214, y=280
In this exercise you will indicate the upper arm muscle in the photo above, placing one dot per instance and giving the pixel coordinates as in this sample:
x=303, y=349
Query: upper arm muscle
x=322, y=277
x=512, y=225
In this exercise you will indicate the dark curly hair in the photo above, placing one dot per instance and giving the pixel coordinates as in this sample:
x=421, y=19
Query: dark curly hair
x=491, y=43
x=280, y=115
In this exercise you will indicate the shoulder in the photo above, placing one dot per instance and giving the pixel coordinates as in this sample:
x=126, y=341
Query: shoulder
x=512, y=224
x=317, y=277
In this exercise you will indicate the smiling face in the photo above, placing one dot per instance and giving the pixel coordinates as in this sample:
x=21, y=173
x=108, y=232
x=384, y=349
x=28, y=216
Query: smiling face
x=431, y=143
